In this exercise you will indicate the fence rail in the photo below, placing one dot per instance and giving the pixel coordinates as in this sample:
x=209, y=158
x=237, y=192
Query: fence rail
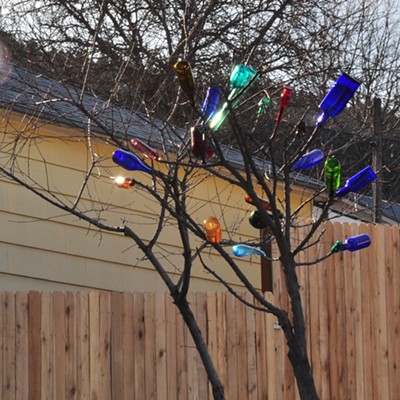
x=102, y=345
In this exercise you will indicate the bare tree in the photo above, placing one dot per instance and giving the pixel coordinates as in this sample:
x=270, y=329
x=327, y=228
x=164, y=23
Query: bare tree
x=125, y=52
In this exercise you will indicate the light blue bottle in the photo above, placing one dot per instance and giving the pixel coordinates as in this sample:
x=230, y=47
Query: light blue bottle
x=242, y=250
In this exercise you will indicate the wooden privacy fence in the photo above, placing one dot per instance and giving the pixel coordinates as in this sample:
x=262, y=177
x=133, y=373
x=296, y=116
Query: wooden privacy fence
x=102, y=345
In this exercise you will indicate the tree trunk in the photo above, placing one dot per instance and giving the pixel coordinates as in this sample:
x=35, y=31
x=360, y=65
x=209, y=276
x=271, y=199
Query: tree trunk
x=212, y=374
x=296, y=334
x=303, y=373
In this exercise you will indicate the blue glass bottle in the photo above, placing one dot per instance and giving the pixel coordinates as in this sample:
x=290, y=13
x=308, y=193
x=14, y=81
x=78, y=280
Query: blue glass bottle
x=337, y=98
x=353, y=243
x=242, y=250
x=310, y=159
x=211, y=102
x=130, y=161
x=357, y=182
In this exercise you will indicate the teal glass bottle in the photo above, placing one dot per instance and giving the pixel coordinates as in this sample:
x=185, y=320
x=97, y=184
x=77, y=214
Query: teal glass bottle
x=241, y=75
x=241, y=78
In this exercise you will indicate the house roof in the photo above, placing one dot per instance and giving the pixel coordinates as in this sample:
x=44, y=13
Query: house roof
x=34, y=94
x=53, y=101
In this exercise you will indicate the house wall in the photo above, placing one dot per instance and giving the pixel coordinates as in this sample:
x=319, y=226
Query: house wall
x=44, y=248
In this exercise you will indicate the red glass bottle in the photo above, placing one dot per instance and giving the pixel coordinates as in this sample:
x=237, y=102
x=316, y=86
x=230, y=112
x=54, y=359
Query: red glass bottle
x=145, y=149
x=285, y=98
x=200, y=145
x=265, y=203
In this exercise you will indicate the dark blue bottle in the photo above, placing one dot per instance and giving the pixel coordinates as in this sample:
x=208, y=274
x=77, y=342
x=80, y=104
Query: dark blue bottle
x=211, y=102
x=130, y=161
x=355, y=243
x=357, y=182
x=310, y=159
x=337, y=98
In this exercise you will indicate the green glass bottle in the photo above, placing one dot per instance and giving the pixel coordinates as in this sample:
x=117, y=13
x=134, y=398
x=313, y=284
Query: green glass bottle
x=332, y=174
x=256, y=221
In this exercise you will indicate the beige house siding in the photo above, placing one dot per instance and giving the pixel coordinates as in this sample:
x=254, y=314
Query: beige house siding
x=44, y=248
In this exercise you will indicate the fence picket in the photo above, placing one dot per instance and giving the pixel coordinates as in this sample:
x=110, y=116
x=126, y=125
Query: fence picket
x=232, y=357
x=181, y=360
x=116, y=345
x=9, y=334
x=160, y=346
x=127, y=340
x=250, y=345
x=59, y=344
x=47, y=338
x=34, y=357
x=22, y=346
x=394, y=315
x=83, y=345
x=383, y=366
x=171, y=348
x=367, y=264
x=331, y=268
x=71, y=365
x=201, y=315
x=139, y=346
x=150, y=377
x=358, y=331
